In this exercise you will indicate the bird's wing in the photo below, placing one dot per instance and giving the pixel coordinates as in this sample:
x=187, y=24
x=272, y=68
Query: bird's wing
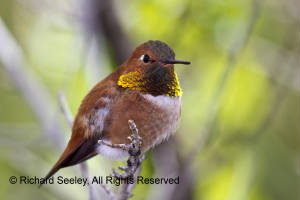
x=88, y=126
x=85, y=135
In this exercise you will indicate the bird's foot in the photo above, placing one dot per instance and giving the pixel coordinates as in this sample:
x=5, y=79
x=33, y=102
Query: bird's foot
x=124, y=147
x=134, y=150
x=134, y=147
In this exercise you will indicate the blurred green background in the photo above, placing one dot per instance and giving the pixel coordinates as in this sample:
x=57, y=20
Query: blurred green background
x=239, y=133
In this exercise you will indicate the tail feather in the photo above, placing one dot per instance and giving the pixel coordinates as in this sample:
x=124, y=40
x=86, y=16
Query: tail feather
x=77, y=151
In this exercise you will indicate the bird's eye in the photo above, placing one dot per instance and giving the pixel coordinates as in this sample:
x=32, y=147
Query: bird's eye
x=145, y=58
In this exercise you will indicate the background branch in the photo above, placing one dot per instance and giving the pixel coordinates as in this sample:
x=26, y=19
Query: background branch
x=100, y=19
x=65, y=108
x=233, y=54
x=186, y=164
x=32, y=89
x=67, y=113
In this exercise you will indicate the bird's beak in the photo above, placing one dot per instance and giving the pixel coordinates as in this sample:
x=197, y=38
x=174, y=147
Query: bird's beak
x=170, y=61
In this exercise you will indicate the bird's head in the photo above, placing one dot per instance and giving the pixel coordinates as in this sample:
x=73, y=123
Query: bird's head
x=150, y=70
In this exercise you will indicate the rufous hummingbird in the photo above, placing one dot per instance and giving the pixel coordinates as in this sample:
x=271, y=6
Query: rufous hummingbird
x=145, y=89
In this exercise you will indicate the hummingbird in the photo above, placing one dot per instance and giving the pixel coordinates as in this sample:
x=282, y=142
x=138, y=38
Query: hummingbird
x=145, y=89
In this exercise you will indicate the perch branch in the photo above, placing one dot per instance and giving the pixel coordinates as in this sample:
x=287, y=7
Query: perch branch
x=108, y=191
x=125, y=190
x=133, y=167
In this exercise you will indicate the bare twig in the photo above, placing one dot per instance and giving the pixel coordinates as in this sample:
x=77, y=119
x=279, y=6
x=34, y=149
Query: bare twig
x=64, y=108
x=166, y=164
x=85, y=173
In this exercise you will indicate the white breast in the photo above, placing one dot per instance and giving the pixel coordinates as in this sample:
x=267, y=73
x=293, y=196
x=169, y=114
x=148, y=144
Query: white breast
x=172, y=108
